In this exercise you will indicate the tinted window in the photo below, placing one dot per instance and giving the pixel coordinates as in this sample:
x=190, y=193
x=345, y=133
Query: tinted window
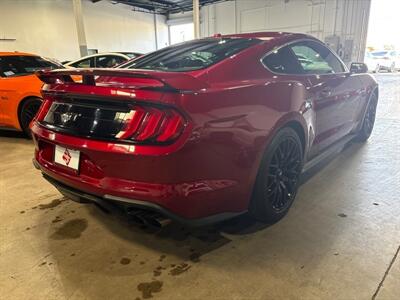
x=86, y=63
x=192, y=55
x=108, y=61
x=316, y=59
x=282, y=61
x=23, y=65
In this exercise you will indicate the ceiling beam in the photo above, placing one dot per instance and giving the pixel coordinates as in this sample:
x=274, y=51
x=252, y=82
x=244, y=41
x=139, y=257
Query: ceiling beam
x=164, y=6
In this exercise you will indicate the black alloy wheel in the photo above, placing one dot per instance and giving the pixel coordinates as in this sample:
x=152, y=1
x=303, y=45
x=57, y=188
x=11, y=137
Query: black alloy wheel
x=369, y=119
x=283, y=173
x=28, y=111
x=278, y=178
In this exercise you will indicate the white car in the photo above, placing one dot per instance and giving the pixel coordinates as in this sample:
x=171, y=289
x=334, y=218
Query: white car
x=101, y=60
x=382, y=60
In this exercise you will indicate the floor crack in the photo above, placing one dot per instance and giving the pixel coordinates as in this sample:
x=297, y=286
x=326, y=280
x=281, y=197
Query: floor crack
x=386, y=273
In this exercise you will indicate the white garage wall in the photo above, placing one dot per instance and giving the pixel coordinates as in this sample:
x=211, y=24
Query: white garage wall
x=112, y=27
x=43, y=27
x=341, y=23
x=47, y=27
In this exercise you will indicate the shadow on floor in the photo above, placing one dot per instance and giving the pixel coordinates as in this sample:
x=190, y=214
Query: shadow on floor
x=152, y=256
x=12, y=134
x=186, y=242
x=201, y=239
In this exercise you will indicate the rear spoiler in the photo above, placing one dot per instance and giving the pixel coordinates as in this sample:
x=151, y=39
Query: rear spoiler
x=170, y=81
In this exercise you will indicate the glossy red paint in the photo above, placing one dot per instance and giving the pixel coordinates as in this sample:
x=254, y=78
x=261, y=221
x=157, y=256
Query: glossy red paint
x=232, y=108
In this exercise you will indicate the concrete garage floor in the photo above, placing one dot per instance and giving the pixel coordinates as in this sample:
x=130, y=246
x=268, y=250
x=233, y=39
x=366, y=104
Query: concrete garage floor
x=340, y=240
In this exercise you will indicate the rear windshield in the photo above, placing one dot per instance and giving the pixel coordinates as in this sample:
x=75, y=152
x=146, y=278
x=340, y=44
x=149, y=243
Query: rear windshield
x=190, y=56
x=11, y=66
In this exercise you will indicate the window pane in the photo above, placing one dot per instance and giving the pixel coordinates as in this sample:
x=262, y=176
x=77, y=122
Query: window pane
x=23, y=65
x=282, y=61
x=82, y=64
x=311, y=60
x=109, y=61
x=191, y=56
x=118, y=60
x=316, y=59
x=102, y=61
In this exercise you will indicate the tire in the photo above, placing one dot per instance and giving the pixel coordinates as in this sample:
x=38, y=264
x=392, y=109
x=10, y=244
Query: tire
x=278, y=177
x=27, y=112
x=369, y=119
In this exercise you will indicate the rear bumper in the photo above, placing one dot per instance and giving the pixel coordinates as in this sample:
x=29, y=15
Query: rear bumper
x=78, y=195
x=190, y=185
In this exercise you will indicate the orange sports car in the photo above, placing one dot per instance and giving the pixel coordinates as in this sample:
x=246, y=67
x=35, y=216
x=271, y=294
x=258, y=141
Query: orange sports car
x=20, y=88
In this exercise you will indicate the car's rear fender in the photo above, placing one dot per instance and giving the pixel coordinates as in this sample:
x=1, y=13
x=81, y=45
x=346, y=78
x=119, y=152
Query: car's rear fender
x=237, y=121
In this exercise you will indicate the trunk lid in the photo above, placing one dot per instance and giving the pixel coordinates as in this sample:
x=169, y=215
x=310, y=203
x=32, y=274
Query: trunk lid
x=112, y=104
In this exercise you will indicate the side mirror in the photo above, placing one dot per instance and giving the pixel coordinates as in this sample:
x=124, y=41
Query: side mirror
x=358, y=67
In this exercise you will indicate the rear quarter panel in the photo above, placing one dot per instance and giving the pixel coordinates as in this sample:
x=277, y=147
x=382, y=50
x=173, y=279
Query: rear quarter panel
x=14, y=90
x=235, y=121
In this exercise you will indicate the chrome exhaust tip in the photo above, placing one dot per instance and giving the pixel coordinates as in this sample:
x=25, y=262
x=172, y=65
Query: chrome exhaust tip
x=156, y=220
x=151, y=219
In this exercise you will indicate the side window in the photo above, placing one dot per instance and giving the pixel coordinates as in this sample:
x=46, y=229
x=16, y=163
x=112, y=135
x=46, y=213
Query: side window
x=9, y=68
x=316, y=58
x=119, y=60
x=102, y=61
x=282, y=61
x=15, y=65
x=108, y=61
x=82, y=63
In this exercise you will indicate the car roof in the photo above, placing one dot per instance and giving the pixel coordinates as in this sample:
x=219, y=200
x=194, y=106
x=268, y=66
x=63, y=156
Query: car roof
x=96, y=55
x=128, y=52
x=271, y=38
x=16, y=53
x=269, y=35
x=102, y=54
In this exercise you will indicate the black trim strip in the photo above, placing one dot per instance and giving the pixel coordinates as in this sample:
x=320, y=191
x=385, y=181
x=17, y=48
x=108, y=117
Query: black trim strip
x=74, y=194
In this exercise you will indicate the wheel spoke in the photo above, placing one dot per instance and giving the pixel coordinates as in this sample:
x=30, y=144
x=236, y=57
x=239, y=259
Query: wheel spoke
x=271, y=187
x=370, y=114
x=278, y=197
x=274, y=166
x=283, y=172
x=281, y=153
x=292, y=148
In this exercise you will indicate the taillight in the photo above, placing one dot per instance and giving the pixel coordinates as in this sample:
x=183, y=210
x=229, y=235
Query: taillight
x=44, y=108
x=152, y=124
x=143, y=124
x=170, y=127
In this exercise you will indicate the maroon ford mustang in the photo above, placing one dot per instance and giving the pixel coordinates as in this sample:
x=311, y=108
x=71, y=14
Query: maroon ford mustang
x=204, y=130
